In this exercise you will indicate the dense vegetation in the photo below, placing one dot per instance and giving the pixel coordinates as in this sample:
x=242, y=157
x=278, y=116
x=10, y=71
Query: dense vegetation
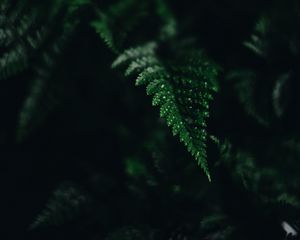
x=205, y=147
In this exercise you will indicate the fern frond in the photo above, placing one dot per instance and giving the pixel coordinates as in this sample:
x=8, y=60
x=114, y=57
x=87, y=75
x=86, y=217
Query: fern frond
x=131, y=233
x=14, y=27
x=288, y=199
x=182, y=88
x=75, y=5
x=118, y=21
x=280, y=94
x=257, y=42
x=169, y=24
x=24, y=30
x=216, y=226
x=33, y=40
x=245, y=82
x=66, y=204
x=45, y=89
x=135, y=53
x=21, y=34
x=16, y=58
x=13, y=62
x=263, y=25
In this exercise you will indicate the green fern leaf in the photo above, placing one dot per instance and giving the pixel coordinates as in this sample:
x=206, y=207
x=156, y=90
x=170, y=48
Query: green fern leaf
x=183, y=90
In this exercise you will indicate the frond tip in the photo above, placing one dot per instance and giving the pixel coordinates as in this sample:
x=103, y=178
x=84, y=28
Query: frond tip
x=182, y=88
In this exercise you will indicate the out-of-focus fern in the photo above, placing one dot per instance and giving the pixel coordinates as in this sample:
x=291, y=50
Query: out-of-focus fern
x=265, y=183
x=257, y=43
x=244, y=84
x=45, y=90
x=24, y=30
x=117, y=22
x=67, y=203
x=216, y=227
x=34, y=38
x=132, y=233
x=280, y=93
x=245, y=80
x=169, y=24
x=182, y=88
x=264, y=94
x=19, y=35
x=288, y=199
